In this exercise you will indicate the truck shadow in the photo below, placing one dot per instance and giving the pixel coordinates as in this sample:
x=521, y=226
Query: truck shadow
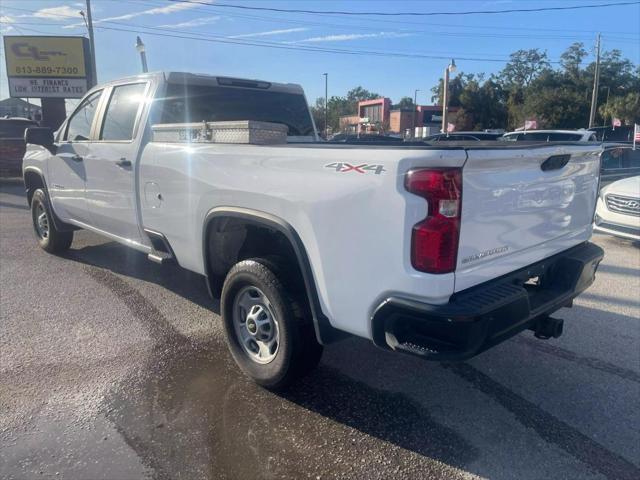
x=131, y=263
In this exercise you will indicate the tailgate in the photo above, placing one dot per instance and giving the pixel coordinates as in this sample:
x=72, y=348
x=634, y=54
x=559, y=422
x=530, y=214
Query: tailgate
x=521, y=205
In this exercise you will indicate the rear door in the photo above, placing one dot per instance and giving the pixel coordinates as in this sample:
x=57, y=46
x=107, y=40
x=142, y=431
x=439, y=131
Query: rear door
x=66, y=169
x=111, y=167
x=521, y=205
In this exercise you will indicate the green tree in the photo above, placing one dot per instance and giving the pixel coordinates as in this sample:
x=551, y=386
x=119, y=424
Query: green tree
x=358, y=94
x=339, y=106
x=626, y=108
x=524, y=66
x=404, y=103
x=456, y=85
x=571, y=60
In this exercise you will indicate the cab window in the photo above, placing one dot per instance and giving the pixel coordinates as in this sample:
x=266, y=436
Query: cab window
x=122, y=111
x=79, y=125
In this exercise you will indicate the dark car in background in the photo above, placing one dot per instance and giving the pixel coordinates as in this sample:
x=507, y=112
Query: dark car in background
x=618, y=161
x=463, y=137
x=365, y=137
x=623, y=133
x=12, y=146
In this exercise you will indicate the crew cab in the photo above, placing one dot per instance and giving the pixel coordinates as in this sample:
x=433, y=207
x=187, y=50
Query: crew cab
x=434, y=251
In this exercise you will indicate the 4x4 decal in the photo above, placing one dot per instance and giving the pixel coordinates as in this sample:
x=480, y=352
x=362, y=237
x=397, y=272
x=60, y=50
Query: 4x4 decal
x=363, y=168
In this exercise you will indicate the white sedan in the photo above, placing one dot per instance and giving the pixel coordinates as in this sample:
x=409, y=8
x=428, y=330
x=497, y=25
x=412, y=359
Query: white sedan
x=618, y=210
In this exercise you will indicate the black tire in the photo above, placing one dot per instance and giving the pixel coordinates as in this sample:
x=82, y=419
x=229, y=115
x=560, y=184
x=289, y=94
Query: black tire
x=297, y=352
x=49, y=237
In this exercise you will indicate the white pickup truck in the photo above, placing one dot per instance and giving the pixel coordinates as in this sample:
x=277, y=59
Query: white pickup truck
x=436, y=251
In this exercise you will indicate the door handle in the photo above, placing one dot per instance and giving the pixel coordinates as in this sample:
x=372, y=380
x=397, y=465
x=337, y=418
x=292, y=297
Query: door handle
x=123, y=163
x=77, y=158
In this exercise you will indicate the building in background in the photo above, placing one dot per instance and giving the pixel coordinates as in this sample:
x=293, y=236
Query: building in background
x=377, y=116
x=16, y=107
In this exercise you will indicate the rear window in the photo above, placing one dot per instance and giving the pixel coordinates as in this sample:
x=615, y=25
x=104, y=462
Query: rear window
x=14, y=128
x=197, y=103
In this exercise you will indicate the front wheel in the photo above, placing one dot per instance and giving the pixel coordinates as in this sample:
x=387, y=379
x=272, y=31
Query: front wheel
x=267, y=335
x=49, y=237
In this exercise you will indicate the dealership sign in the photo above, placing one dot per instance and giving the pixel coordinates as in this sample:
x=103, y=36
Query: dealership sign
x=46, y=67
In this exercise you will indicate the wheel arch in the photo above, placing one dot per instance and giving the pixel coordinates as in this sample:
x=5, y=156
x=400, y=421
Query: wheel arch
x=325, y=333
x=34, y=179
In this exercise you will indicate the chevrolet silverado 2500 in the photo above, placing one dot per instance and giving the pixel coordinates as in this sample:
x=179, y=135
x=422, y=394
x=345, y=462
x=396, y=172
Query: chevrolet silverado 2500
x=435, y=251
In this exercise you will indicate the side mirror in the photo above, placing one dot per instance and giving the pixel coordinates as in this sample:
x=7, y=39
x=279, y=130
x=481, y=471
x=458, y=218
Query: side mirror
x=40, y=136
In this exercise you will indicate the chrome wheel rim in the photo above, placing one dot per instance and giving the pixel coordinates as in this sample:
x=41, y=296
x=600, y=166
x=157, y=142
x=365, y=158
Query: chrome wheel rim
x=255, y=325
x=41, y=221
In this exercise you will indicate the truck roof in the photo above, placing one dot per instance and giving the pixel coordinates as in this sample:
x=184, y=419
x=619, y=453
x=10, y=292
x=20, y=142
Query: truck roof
x=209, y=79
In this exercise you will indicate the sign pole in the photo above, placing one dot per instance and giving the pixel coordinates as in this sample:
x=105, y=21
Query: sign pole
x=53, y=112
x=94, y=71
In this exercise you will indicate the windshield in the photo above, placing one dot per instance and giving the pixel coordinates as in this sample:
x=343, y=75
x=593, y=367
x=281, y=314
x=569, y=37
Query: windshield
x=197, y=103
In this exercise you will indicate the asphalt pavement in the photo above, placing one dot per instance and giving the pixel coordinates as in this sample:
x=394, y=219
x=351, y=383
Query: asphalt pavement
x=114, y=367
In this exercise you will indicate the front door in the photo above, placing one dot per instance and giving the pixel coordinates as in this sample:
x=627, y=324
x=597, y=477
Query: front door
x=66, y=170
x=111, y=166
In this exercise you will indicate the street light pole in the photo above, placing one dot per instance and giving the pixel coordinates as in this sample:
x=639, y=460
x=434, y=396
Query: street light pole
x=415, y=111
x=326, y=105
x=143, y=54
x=445, y=96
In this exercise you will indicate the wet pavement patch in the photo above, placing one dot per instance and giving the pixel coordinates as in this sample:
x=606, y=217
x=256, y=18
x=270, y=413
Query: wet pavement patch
x=192, y=415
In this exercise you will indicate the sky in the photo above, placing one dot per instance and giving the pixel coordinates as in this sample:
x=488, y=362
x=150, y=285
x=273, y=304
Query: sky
x=411, y=52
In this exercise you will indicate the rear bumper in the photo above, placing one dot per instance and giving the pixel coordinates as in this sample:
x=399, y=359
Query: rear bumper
x=487, y=314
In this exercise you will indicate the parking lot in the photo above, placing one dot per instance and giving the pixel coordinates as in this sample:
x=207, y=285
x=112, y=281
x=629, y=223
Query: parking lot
x=114, y=367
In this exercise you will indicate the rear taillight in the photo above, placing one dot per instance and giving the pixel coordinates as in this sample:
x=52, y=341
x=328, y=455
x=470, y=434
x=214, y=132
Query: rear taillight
x=434, y=241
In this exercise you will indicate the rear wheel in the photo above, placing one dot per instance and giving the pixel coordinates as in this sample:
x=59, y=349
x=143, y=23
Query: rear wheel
x=49, y=237
x=265, y=329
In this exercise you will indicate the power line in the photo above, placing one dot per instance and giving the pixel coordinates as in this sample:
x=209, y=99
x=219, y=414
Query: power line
x=304, y=48
x=362, y=27
x=412, y=14
x=402, y=32
x=266, y=44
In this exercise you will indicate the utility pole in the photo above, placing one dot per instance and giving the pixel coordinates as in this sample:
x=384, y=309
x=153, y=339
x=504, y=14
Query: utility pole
x=415, y=111
x=326, y=105
x=596, y=80
x=94, y=71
